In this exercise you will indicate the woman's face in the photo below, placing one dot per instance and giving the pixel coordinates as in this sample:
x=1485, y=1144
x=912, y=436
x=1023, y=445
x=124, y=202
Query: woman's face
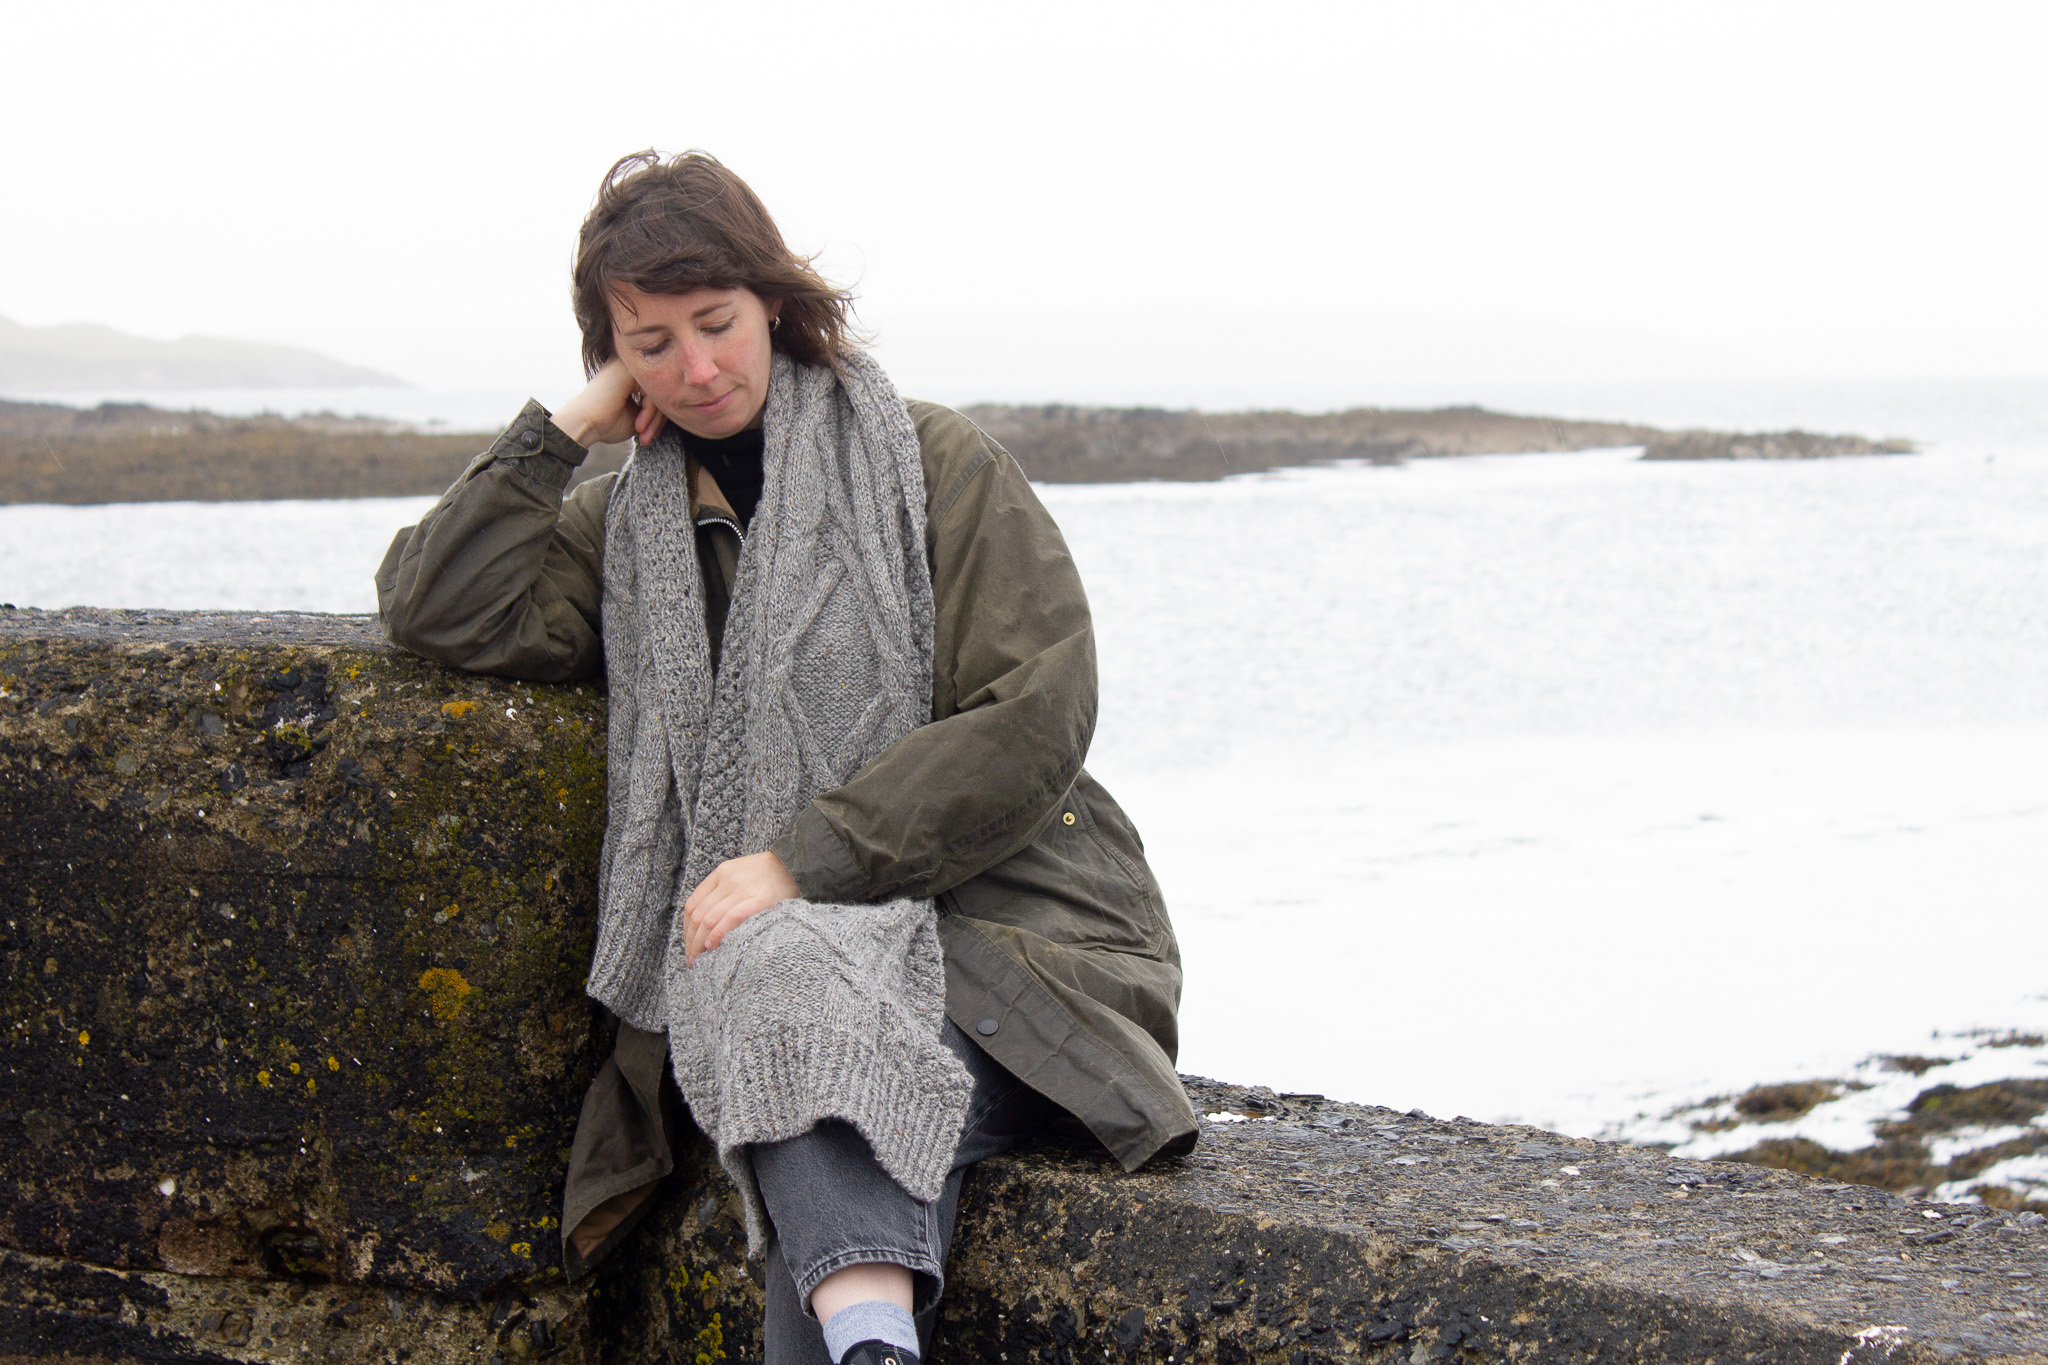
x=701, y=358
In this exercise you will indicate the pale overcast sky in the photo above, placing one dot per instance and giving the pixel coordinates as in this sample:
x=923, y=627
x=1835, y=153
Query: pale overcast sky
x=1171, y=203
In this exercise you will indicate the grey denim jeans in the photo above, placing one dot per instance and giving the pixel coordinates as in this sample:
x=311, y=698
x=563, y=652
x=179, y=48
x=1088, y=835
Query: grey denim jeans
x=831, y=1205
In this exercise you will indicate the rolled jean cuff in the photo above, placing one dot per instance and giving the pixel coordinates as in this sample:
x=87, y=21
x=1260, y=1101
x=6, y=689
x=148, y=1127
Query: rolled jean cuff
x=928, y=1275
x=832, y=1205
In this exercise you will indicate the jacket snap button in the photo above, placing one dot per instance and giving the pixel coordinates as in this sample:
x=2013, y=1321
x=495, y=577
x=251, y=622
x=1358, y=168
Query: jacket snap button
x=986, y=1028
x=1068, y=818
x=529, y=440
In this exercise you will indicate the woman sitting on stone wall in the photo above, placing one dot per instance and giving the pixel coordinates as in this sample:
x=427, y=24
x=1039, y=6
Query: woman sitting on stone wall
x=856, y=887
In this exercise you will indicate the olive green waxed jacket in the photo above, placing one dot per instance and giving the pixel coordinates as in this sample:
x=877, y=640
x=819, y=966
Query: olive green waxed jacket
x=1060, y=959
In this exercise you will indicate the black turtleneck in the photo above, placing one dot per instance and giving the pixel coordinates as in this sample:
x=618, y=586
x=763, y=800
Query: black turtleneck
x=735, y=462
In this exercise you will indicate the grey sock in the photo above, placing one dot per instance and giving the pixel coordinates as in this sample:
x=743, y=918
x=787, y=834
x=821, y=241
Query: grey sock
x=873, y=1320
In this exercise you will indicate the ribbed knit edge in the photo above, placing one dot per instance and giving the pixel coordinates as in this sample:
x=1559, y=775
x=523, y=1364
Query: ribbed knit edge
x=772, y=1095
x=628, y=984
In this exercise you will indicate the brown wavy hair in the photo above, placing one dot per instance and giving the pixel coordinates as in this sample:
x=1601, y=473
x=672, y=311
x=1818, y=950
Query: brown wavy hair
x=668, y=227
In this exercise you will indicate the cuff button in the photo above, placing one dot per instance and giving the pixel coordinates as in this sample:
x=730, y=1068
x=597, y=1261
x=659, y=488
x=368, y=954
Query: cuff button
x=1067, y=819
x=986, y=1028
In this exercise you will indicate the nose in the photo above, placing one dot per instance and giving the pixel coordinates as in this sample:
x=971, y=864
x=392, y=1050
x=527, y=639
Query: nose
x=699, y=368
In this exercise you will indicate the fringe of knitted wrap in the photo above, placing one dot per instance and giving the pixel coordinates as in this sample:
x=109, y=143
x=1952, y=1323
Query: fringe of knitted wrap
x=807, y=1011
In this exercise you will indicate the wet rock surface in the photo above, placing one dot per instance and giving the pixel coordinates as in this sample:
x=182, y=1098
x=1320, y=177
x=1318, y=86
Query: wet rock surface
x=291, y=1066
x=1307, y=1231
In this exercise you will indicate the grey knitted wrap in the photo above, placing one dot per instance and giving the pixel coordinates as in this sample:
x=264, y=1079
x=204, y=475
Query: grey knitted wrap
x=806, y=1011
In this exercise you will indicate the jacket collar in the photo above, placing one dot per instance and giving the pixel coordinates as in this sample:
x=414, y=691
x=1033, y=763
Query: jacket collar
x=707, y=500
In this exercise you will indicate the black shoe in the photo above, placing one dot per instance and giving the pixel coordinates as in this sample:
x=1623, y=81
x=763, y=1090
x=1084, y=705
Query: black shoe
x=877, y=1353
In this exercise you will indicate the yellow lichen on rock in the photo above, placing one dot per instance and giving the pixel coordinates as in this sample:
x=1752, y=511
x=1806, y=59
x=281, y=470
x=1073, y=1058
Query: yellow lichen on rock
x=445, y=990
x=456, y=710
x=711, y=1337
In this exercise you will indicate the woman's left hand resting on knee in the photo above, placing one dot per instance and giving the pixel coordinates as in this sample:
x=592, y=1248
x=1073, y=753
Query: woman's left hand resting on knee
x=737, y=890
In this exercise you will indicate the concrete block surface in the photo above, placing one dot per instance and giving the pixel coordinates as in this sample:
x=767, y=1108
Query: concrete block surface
x=295, y=930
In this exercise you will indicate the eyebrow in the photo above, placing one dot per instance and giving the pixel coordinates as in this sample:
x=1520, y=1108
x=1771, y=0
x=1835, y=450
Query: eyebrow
x=662, y=327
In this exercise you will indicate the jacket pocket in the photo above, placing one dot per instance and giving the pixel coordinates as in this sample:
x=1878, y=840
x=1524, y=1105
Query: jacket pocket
x=1083, y=882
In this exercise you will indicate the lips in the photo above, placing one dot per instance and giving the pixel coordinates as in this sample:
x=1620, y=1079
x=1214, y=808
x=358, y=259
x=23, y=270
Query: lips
x=715, y=404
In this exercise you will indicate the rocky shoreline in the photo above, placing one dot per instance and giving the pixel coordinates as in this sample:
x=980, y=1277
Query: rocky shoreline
x=84, y=355
x=1768, y=445
x=1969, y=1125
x=130, y=452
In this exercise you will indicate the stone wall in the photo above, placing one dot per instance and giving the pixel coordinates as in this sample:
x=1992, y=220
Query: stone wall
x=294, y=937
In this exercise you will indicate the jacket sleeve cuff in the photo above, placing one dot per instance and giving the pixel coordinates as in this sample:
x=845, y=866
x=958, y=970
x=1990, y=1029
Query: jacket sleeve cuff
x=541, y=450
x=819, y=861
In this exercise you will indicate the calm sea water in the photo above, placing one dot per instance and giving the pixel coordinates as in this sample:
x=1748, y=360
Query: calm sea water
x=1561, y=788
x=1564, y=787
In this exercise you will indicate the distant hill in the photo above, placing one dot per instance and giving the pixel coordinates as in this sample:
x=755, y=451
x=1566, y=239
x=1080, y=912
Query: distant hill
x=88, y=356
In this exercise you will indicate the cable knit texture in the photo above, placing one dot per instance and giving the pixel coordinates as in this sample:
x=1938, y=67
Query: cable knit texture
x=806, y=1011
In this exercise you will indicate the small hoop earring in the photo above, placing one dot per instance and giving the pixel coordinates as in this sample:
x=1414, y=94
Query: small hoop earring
x=775, y=322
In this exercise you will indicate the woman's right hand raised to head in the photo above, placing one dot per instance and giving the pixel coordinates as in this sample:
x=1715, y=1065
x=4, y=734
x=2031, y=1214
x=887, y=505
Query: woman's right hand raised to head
x=609, y=409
